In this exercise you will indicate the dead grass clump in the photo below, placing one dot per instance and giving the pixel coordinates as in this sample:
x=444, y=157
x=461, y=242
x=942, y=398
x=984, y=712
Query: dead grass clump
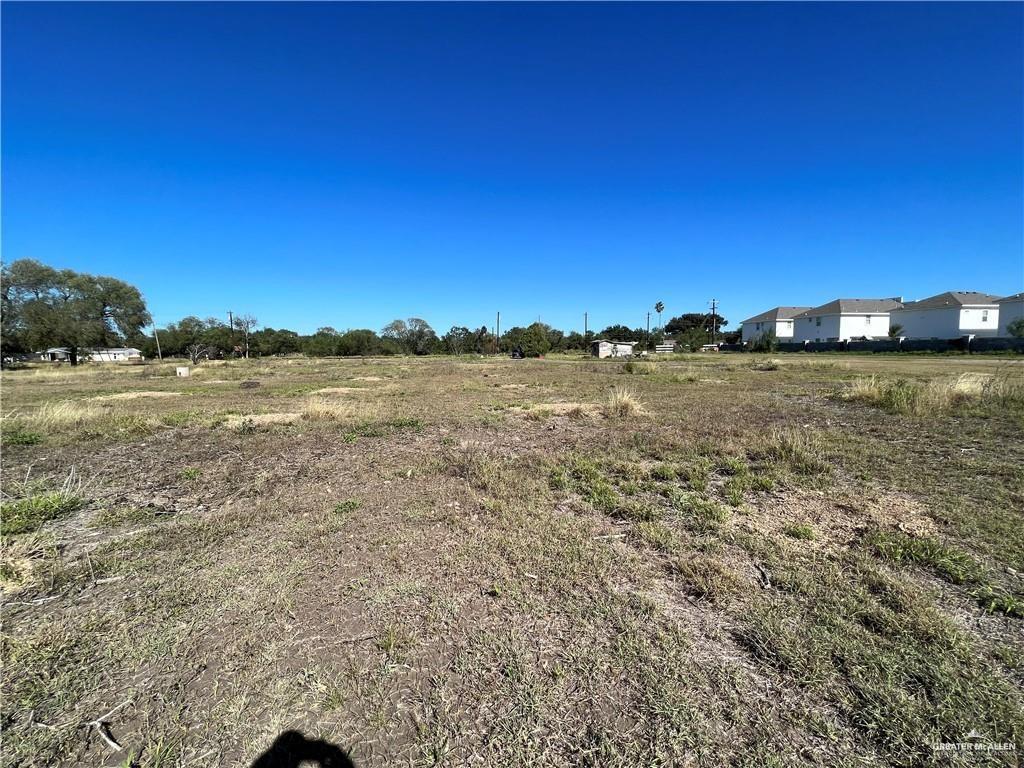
x=799, y=450
x=708, y=578
x=60, y=415
x=1004, y=389
x=21, y=558
x=765, y=365
x=640, y=368
x=477, y=466
x=332, y=409
x=623, y=402
x=135, y=395
x=542, y=411
x=539, y=413
x=252, y=422
x=937, y=396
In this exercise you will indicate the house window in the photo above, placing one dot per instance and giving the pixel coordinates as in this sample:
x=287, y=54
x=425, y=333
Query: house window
x=867, y=320
x=817, y=321
x=984, y=315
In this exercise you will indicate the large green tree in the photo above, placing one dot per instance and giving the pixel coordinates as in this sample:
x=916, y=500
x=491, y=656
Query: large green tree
x=533, y=340
x=414, y=336
x=45, y=307
x=621, y=333
x=691, y=320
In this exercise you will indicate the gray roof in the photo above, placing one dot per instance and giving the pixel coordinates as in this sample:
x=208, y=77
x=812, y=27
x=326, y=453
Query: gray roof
x=776, y=313
x=609, y=341
x=1015, y=297
x=853, y=306
x=952, y=299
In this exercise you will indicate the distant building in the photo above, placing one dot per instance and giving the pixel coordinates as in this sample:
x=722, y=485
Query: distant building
x=948, y=315
x=605, y=348
x=116, y=355
x=845, y=319
x=55, y=355
x=778, y=320
x=1010, y=308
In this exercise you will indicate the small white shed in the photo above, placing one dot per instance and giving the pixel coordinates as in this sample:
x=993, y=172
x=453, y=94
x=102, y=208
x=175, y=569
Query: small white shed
x=604, y=348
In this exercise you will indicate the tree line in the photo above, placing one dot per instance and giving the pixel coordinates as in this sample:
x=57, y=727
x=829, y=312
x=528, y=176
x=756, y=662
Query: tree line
x=44, y=307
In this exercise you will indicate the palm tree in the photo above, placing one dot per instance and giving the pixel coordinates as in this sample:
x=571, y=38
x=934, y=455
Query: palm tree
x=659, y=308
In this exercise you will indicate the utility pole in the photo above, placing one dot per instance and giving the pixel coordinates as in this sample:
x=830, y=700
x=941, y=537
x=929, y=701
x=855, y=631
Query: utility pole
x=648, y=330
x=586, y=330
x=497, y=334
x=157, y=337
x=714, y=320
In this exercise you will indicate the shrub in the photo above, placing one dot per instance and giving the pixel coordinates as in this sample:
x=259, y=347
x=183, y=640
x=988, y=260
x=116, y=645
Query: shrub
x=766, y=342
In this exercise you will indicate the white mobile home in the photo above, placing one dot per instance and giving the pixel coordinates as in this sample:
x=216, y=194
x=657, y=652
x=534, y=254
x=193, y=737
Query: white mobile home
x=778, y=320
x=845, y=319
x=1011, y=309
x=605, y=348
x=116, y=355
x=949, y=315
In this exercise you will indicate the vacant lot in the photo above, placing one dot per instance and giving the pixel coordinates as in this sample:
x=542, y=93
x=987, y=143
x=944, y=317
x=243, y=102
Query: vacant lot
x=715, y=560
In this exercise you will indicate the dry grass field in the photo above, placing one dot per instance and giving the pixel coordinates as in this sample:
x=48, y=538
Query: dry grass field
x=709, y=560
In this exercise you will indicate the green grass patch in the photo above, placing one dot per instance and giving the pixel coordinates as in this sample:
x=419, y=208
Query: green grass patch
x=115, y=517
x=584, y=477
x=15, y=433
x=903, y=675
x=952, y=564
x=29, y=513
x=656, y=534
x=346, y=507
x=799, y=531
x=701, y=514
x=382, y=428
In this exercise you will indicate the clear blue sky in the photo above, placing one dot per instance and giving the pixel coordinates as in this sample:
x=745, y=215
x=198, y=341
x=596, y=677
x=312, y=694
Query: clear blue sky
x=338, y=164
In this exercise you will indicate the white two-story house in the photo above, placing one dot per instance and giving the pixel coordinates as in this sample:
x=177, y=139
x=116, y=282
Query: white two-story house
x=845, y=319
x=1011, y=308
x=778, y=320
x=949, y=315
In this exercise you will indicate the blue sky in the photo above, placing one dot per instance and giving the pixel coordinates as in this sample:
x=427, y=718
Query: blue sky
x=345, y=164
